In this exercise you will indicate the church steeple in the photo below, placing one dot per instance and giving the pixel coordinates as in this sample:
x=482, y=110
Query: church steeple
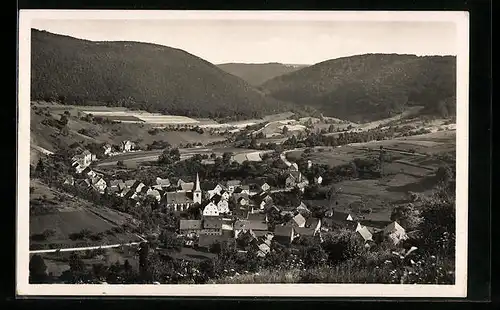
x=197, y=190
x=197, y=187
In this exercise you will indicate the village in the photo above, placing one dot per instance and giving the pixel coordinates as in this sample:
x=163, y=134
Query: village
x=232, y=209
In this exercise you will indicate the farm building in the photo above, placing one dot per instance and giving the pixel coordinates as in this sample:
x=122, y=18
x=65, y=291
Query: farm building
x=395, y=232
x=247, y=226
x=178, y=201
x=284, y=234
x=190, y=227
x=212, y=225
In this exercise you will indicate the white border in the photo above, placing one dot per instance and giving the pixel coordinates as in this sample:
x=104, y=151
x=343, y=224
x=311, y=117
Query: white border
x=461, y=19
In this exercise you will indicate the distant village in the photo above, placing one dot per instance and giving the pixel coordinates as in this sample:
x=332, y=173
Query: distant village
x=217, y=222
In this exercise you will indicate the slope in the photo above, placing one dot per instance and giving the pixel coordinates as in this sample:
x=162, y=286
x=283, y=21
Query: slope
x=372, y=86
x=139, y=75
x=256, y=74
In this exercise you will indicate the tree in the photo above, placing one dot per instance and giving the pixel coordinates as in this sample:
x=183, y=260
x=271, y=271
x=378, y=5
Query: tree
x=40, y=167
x=143, y=261
x=226, y=158
x=37, y=269
x=284, y=130
x=64, y=119
x=407, y=216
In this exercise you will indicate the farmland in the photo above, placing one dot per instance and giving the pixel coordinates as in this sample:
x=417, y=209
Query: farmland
x=132, y=158
x=405, y=172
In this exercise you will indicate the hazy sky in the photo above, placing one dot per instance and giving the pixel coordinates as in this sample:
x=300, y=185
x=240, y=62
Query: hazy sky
x=294, y=42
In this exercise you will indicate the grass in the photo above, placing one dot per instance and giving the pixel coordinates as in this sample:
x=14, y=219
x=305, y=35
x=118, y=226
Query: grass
x=68, y=215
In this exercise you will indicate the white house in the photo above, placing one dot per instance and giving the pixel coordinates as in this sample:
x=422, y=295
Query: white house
x=99, y=184
x=127, y=146
x=107, y=149
x=154, y=193
x=211, y=209
x=364, y=232
x=395, y=232
x=318, y=179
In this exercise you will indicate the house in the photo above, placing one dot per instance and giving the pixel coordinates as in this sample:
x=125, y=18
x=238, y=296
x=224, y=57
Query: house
x=263, y=249
x=264, y=186
x=313, y=223
x=257, y=217
x=242, y=189
x=79, y=168
x=178, y=201
x=293, y=178
x=246, y=225
x=241, y=199
x=309, y=164
x=118, y=184
x=162, y=183
x=210, y=209
x=395, y=232
x=154, y=193
x=205, y=242
x=87, y=157
x=318, y=180
x=339, y=220
x=107, y=148
x=364, y=232
x=304, y=231
x=222, y=204
x=129, y=183
x=225, y=195
x=227, y=227
x=340, y=216
x=297, y=221
x=186, y=187
x=179, y=183
x=89, y=172
x=127, y=146
x=212, y=225
x=232, y=185
x=302, y=185
x=303, y=209
x=69, y=181
x=284, y=234
x=262, y=199
x=217, y=190
x=138, y=187
x=190, y=228
x=99, y=184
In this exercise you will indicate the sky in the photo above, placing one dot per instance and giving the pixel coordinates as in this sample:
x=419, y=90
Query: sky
x=254, y=41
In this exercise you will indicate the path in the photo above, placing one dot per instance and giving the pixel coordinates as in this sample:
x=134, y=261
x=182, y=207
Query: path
x=41, y=149
x=89, y=247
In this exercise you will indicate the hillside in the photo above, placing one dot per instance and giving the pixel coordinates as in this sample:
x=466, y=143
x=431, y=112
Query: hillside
x=372, y=86
x=256, y=74
x=142, y=76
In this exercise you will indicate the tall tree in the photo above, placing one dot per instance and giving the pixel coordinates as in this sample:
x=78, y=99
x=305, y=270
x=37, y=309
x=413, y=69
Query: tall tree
x=38, y=270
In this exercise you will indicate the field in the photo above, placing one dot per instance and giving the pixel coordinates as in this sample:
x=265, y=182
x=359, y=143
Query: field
x=83, y=132
x=134, y=158
x=65, y=215
x=408, y=173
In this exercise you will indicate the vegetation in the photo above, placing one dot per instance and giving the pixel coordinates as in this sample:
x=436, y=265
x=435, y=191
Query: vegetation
x=151, y=77
x=372, y=86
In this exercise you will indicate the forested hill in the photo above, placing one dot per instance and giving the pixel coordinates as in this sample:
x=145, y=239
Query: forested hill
x=256, y=74
x=140, y=75
x=372, y=86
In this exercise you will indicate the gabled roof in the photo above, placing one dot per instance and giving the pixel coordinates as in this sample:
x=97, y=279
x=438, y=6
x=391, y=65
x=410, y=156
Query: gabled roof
x=208, y=240
x=213, y=222
x=351, y=225
x=304, y=231
x=250, y=225
x=187, y=186
x=116, y=182
x=240, y=196
x=299, y=219
x=365, y=233
x=216, y=198
x=162, y=182
x=283, y=231
x=233, y=183
x=393, y=227
x=295, y=174
x=130, y=183
x=256, y=217
x=190, y=224
x=86, y=152
x=153, y=192
x=340, y=216
x=241, y=188
x=177, y=198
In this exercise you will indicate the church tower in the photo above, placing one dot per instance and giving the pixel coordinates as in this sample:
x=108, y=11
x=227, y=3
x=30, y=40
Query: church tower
x=197, y=191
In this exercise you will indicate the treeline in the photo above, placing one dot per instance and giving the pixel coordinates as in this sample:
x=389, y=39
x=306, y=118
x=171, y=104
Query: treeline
x=372, y=86
x=140, y=76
